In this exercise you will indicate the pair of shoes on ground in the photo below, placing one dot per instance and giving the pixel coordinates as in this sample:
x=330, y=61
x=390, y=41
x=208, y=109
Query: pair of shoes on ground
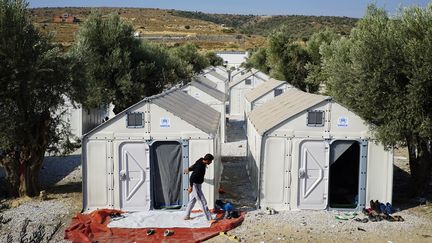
x=381, y=207
x=166, y=232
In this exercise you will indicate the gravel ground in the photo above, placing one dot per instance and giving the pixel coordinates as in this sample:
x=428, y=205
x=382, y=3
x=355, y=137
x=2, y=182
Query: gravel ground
x=315, y=226
x=61, y=176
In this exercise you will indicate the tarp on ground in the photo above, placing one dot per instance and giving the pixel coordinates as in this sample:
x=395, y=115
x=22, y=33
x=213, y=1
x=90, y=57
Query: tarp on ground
x=160, y=219
x=93, y=227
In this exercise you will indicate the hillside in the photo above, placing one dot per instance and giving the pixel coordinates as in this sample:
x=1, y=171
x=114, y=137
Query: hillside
x=298, y=25
x=207, y=31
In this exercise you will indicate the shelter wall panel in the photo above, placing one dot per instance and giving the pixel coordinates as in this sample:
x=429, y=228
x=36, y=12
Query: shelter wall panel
x=354, y=126
x=197, y=149
x=96, y=174
x=175, y=125
x=298, y=123
x=269, y=96
x=118, y=124
x=274, y=168
x=379, y=173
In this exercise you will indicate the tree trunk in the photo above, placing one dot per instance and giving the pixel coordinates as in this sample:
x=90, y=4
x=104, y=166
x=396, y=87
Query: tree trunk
x=23, y=163
x=420, y=158
x=10, y=164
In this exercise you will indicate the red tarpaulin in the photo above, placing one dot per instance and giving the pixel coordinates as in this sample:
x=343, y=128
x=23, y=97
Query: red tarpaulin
x=93, y=227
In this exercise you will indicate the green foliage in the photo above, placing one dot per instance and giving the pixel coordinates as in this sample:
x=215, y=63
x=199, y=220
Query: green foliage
x=287, y=60
x=323, y=38
x=228, y=30
x=232, y=20
x=214, y=60
x=298, y=26
x=117, y=68
x=296, y=62
x=258, y=60
x=382, y=72
x=35, y=81
x=188, y=56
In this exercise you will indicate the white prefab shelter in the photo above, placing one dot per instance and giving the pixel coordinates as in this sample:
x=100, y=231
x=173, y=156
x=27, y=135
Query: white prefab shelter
x=82, y=120
x=218, y=69
x=220, y=80
x=260, y=74
x=135, y=161
x=238, y=87
x=238, y=71
x=233, y=58
x=308, y=152
x=264, y=92
x=211, y=97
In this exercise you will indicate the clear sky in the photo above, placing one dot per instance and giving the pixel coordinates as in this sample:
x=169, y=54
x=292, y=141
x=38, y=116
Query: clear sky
x=350, y=8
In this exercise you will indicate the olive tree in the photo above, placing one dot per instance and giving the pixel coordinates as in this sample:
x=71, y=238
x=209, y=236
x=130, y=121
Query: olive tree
x=35, y=80
x=383, y=72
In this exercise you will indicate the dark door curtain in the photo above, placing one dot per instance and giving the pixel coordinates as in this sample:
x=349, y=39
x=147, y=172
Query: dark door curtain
x=166, y=170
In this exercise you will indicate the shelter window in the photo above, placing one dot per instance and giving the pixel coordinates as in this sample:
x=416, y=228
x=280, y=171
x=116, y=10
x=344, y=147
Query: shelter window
x=315, y=118
x=278, y=92
x=135, y=120
x=248, y=81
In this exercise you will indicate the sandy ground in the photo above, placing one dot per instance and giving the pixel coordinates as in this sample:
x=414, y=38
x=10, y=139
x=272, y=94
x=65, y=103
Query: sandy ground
x=61, y=177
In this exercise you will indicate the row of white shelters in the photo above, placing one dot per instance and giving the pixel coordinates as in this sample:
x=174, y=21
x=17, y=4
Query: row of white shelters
x=209, y=95
x=135, y=161
x=218, y=69
x=264, y=92
x=238, y=87
x=220, y=80
x=309, y=152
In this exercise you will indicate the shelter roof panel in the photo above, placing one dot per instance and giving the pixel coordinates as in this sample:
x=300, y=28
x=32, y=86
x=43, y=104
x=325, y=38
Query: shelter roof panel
x=283, y=107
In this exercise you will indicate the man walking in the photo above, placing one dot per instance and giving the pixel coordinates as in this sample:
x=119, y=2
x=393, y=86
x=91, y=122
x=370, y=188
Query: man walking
x=197, y=178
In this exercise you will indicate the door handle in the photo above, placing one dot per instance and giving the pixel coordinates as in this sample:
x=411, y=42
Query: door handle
x=122, y=175
x=302, y=173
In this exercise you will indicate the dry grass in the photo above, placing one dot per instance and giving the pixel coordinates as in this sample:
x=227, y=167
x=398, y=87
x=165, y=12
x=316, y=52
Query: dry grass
x=150, y=22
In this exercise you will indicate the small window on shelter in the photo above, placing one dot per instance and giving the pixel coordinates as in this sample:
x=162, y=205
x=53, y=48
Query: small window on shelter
x=135, y=120
x=278, y=92
x=315, y=119
x=248, y=81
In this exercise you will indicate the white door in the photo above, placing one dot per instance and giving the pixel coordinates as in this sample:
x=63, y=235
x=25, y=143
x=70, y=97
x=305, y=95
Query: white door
x=134, y=177
x=313, y=175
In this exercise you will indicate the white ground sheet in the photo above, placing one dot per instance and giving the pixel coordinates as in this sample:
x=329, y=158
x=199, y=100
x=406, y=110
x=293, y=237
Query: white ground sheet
x=160, y=219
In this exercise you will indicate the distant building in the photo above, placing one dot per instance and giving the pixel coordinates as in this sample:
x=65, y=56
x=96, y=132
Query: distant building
x=233, y=58
x=65, y=18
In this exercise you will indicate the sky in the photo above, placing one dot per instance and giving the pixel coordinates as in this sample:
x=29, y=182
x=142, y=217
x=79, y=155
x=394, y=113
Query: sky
x=349, y=8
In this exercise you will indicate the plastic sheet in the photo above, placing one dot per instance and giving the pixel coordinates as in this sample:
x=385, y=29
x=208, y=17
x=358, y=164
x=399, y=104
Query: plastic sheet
x=93, y=227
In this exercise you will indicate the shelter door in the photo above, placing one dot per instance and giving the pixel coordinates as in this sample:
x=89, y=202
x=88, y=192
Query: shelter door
x=134, y=177
x=313, y=175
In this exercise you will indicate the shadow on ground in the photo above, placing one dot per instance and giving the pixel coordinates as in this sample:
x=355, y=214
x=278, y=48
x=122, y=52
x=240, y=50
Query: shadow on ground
x=55, y=168
x=402, y=193
x=70, y=187
x=235, y=131
x=236, y=184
